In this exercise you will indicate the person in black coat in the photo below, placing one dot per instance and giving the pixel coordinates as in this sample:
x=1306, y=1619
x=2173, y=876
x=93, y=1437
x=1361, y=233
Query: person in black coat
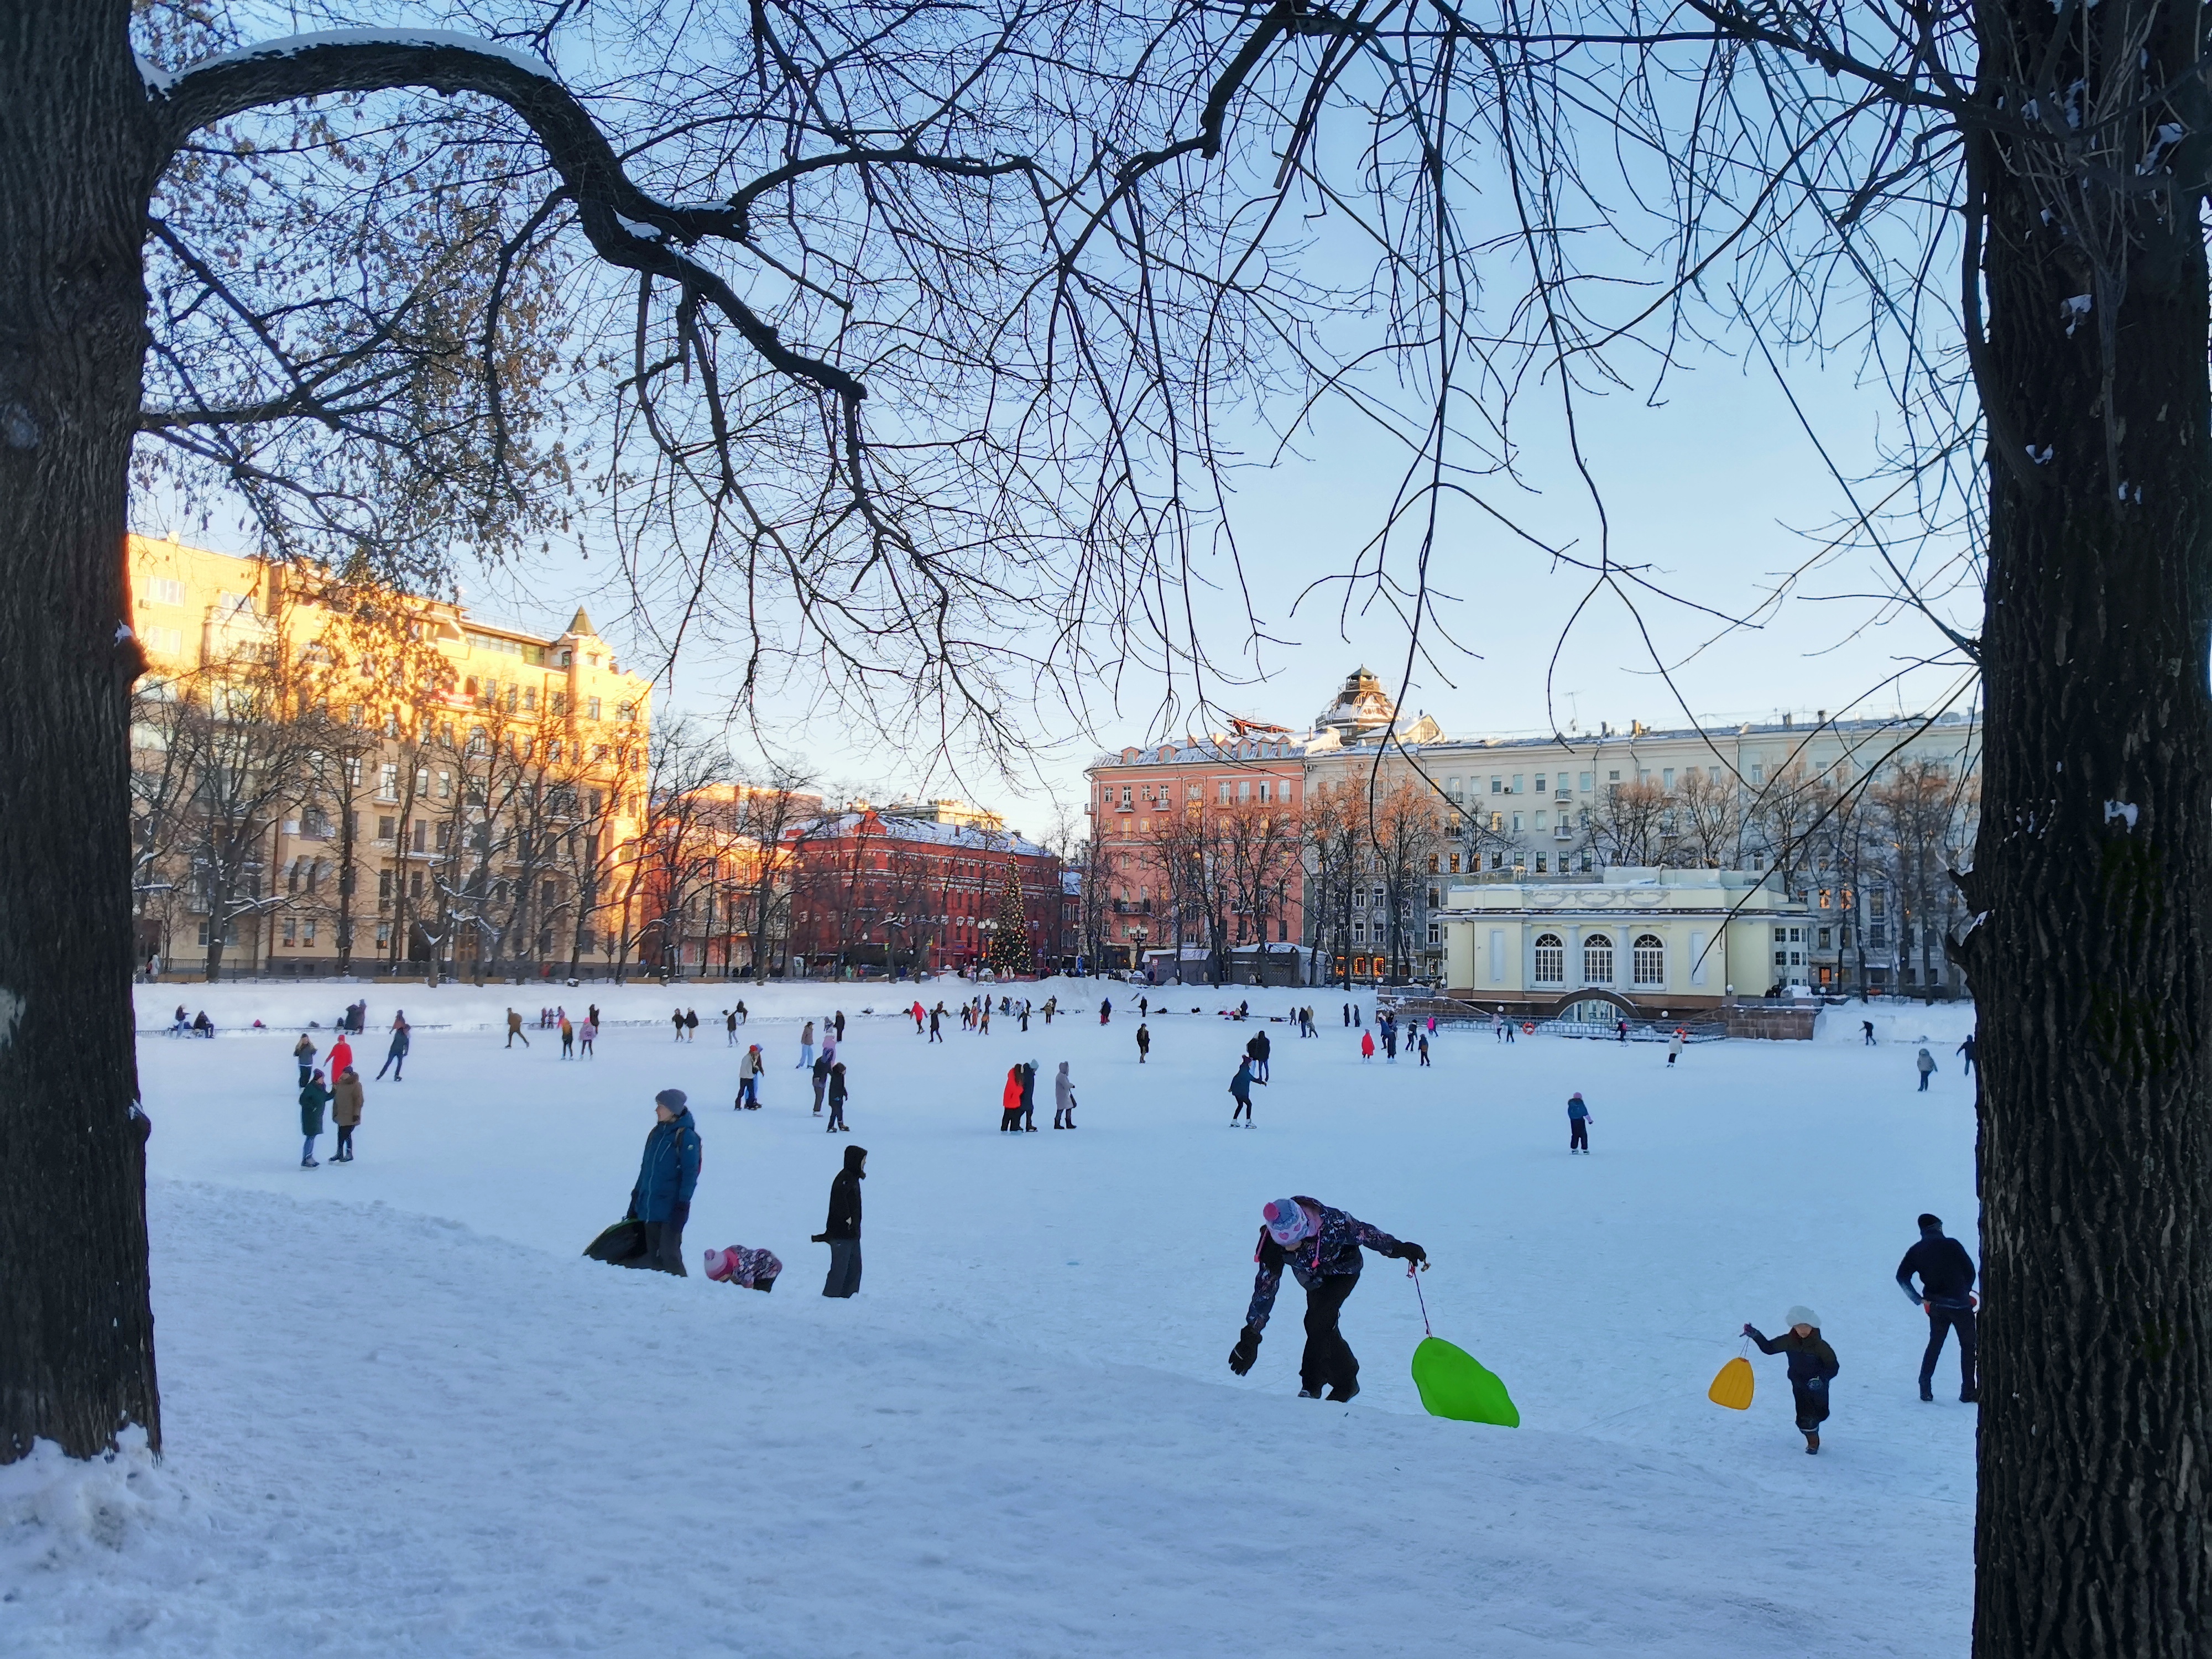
x=841, y=1233
x=1947, y=1296
x=1812, y=1367
x=1259, y=1048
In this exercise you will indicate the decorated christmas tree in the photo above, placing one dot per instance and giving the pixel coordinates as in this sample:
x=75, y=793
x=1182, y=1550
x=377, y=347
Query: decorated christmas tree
x=1009, y=952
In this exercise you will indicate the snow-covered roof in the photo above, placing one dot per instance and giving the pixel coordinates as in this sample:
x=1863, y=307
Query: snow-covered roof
x=964, y=837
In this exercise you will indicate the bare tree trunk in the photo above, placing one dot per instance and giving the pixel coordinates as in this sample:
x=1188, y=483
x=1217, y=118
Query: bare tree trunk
x=76, y=168
x=2089, y=948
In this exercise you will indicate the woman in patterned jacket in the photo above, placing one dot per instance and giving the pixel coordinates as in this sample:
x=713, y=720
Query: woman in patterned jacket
x=1321, y=1247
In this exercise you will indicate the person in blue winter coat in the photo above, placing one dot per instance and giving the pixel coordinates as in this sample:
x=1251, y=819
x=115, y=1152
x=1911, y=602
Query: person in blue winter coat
x=1321, y=1247
x=667, y=1176
x=1578, y=1122
x=1240, y=1086
x=1812, y=1367
x=1947, y=1296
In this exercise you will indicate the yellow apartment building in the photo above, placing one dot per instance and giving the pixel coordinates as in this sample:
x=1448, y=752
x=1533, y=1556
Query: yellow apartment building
x=333, y=776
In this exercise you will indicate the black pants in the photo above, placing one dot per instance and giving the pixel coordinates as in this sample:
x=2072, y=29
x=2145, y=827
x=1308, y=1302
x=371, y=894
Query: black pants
x=1811, y=1407
x=1328, y=1358
x=1244, y=1109
x=1940, y=1319
x=844, y=1267
x=837, y=1112
x=664, y=1246
x=1010, y=1118
x=345, y=1140
x=1578, y=1134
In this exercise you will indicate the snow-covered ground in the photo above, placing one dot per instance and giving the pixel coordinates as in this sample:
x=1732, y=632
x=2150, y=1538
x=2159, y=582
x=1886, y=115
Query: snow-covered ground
x=403, y=1417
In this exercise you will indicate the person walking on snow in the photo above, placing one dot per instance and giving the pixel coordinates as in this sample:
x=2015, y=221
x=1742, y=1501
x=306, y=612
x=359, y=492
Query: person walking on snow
x=1425, y=1047
x=729, y=1028
x=675, y=1019
x=1105, y=1009
x=1144, y=1042
x=744, y=1018
x=514, y=1030
x=837, y=1099
x=1321, y=1247
x=805, y=1047
x=1674, y=1048
x=1241, y=1087
x=749, y=1070
x=1946, y=1296
x=587, y=1035
x=1009, y=1101
x=1578, y=1122
x=690, y=1024
x=1967, y=1049
x=667, y=1174
x=936, y=1023
x=1927, y=1064
x=346, y=1096
x=1063, y=1099
x=1259, y=1048
x=312, y=1098
x=568, y=1039
x=303, y=1052
x=1366, y=1047
x=841, y=1232
x=1812, y=1368
x=1866, y=1031
x=821, y=1064
x=840, y=1022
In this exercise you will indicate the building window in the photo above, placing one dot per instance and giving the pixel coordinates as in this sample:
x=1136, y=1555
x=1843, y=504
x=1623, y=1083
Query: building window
x=590, y=708
x=1758, y=772
x=1540, y=857
x=1597, y=959
x=1436, y=932
x=386, y=827
x=1497, y=786
x=387, y=781
x=291, y=931
x=1825, y=932
x=1455, y=864
x=1667, y=778
x=1585, y=780
x=1612, y=777
x=1551, y=959
x=1543, y=822
x=1648, y=960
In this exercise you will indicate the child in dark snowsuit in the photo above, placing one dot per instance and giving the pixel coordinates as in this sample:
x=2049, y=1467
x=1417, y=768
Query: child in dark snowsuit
x=837, y=1097
x=1812, y=1367
x=1578, y=1122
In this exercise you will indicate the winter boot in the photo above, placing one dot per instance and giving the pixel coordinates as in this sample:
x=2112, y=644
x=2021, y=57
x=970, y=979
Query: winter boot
x=1927, y=1392
x=309, y=1164
x=1343, y=1391
x=1812, y=1443
x=1309, y=1393
x=1969, y=1396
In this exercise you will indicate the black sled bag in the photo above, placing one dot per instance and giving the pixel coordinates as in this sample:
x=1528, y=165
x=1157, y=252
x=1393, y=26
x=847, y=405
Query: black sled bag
x=621, y=1245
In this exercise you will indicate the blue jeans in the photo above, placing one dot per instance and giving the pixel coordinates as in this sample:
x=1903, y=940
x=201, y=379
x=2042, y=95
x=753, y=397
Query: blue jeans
x=307, y=1151
x=805, y=1055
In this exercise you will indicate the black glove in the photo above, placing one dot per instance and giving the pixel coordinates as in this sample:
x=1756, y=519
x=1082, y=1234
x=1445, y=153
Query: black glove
x=1409, y=1251
x=821, y=1239
x=1246, y=1351
x=680, y=1214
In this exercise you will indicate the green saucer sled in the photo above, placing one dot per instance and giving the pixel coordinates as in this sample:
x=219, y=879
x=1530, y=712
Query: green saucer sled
x=1454, y=1383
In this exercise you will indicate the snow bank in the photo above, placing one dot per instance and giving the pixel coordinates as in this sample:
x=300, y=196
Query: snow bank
x=1937, y=1026
x=54, y=1508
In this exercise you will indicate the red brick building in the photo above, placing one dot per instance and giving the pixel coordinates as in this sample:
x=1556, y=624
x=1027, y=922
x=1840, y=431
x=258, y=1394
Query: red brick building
x=879, y=891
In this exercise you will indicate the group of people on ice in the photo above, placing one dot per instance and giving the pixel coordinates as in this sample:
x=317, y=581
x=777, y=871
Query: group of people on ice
x=650, y=1234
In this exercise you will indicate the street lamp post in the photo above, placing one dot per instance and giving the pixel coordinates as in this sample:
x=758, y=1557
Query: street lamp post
x=1138, y=935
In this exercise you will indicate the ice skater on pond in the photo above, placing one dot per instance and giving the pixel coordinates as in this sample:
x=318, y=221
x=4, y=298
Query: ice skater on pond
x=1578, y=1122
x=1321, y=1247
x=1812, y=1368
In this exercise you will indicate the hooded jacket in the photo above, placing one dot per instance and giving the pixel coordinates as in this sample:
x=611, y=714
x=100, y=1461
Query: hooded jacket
x=669, y=1171
x=1812, y=1361
x=1946, y=1271
x=1333, y=1250
x=845, y=1196
x=1241, y=1085
x=1063, y=1089
x=1011, y=1099
x=312, y=1099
